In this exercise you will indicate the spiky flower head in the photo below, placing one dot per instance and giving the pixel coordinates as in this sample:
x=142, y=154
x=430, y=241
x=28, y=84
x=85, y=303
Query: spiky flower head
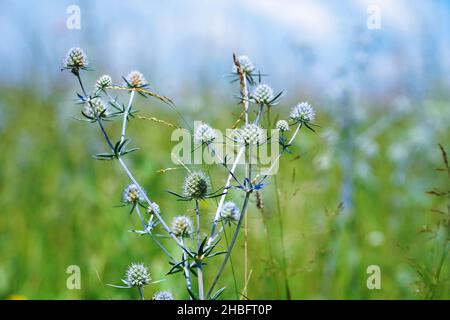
x=131, y=195
x=246, y=65
x=282, y=125
x=137, y=275
x=100, y=107
x=229, y=212
x=75, y=60
x=196, y=185
x=103, y=82
x=163, y=295
x=303, y=112
x=182, y=226
x=251, y=134
x=136, y=80
x=204, y=134
x=263, y=94
x=154, y=208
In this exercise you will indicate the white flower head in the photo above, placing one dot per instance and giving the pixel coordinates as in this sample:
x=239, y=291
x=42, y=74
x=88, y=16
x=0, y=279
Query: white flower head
x=163, y=295
x=250, y=135
x=229, y=212
x=204, y=134
x=100, y=107
x=246, y=65
x=132, y=195
x=303, y=112
x=103, y=82
x=137, y=275
x=75, y=59
x=182, y=226
x=282, y=125
x=196, y=185
x=136, y=80
x=263, y=94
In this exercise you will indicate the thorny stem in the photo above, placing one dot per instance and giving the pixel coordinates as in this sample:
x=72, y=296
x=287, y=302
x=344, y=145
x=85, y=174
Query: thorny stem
x=187, y=274
x=199, y=258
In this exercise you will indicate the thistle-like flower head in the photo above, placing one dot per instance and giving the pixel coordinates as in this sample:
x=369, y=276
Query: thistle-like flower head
x=229, y=212
x=182, y=226
x=282, y=125
x=154, y=208
x=137, y=275
x=131, y=195
x=246, y=65
x=135, y=79
x=263, y=94
x=163, y=295
x=100, y=107
x=303, y=112
x=103, y=82
x=204, y=134
x=75, y=60
x=250, y=135
x=196, y=185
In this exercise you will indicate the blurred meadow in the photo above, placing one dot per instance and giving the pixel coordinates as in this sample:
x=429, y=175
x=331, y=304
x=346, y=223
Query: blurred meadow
x=352, y=195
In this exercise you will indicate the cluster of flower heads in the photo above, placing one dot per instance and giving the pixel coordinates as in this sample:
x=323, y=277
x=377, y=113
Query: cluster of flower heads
x=230, y=212
x=204, y=134
x=135, y=79
x=132, y=195
x=196, y=185
x=182, y=226
x=163, y=295
x=137, y=275
x=302, y=112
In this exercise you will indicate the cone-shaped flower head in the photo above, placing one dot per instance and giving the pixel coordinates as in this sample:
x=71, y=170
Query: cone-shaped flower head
x=263, y=94
x=100, y=107
x=229, y=212
x=182, y=226
x=137, y=275
x=303, y=112
x=246, y=65
x=196, y=185
x=250, y=135
x=136, y=80
x=282, y=125
x=131, y=195
x=204, y=134
x=75, y=60
x=103, y=82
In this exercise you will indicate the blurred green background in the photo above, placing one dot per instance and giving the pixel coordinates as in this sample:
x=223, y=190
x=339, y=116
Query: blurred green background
x=352, y=195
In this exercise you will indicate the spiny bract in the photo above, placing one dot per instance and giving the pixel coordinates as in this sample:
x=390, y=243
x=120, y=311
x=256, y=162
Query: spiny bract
x=182, y=226
x=303, y=112
x=263, y=94
x=137, y=275
x=131, y=195
x=196, y=185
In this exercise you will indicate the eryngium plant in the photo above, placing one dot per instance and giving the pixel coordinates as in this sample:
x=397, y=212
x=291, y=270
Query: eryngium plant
x=186, y=259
